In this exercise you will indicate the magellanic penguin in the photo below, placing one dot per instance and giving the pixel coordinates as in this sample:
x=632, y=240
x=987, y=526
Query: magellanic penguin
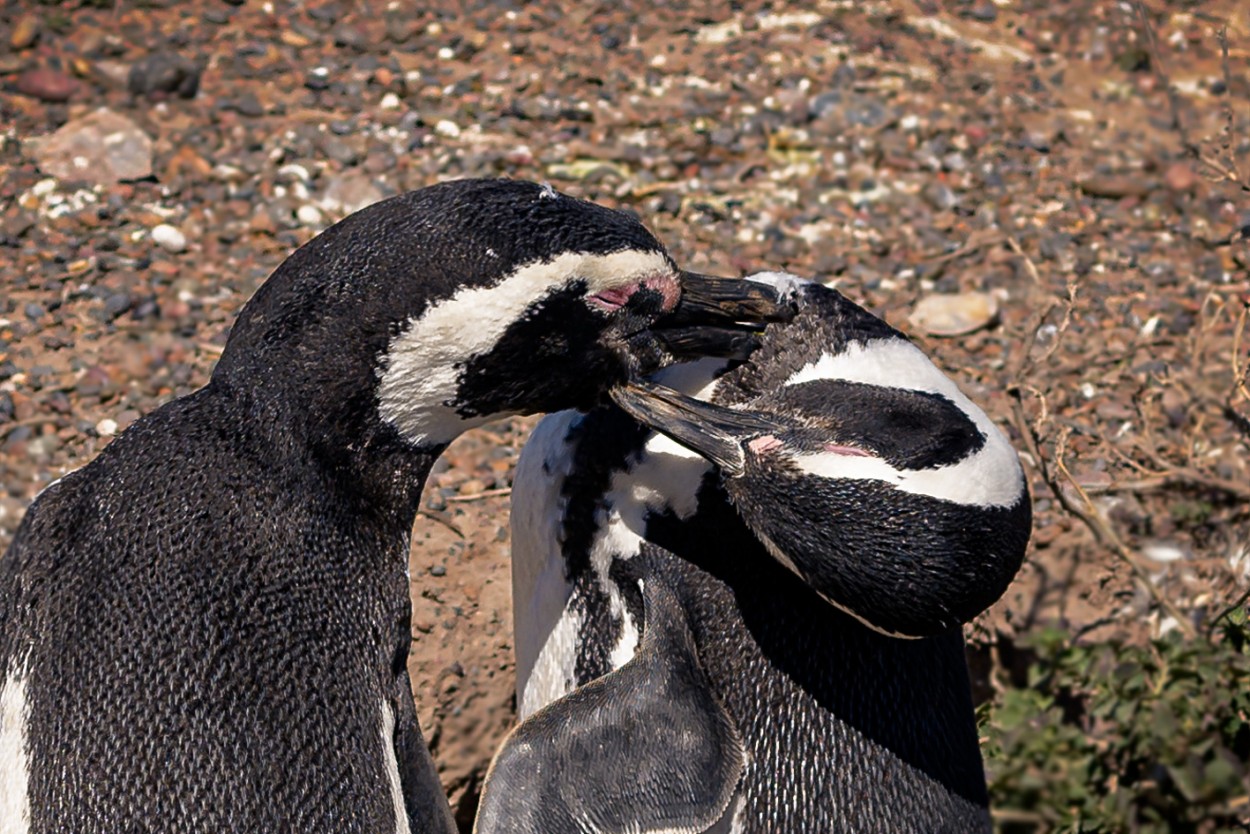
x=770, y=643
x=206, y=628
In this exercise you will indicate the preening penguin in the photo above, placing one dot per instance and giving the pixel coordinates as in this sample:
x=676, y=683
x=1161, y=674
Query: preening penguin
x=848, y=470
x=206, y=628
x=866, y=470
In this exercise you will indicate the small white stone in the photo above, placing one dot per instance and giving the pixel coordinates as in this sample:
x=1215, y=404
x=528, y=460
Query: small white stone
x=294, y=172
x=390, y=101
x=446, y=127
x=169, y=238
x=1163, y=552
x=106, y=427
x=309, y=215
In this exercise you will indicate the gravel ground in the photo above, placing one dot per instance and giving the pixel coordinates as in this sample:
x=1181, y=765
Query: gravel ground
x=1049, y=196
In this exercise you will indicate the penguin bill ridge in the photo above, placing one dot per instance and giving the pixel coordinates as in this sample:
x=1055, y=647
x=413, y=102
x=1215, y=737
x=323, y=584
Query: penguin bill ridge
x=843, y=494
x=206, y=628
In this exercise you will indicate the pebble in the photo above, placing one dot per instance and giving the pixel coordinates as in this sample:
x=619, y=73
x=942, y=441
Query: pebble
x=116, y=304
x=101, y=148
x=1180, y=177
x=1162, y=552
x=339, y=150
x=46, y=85
x=248, y=105
x=25, y=32
x=940, y=196
x=984, y=12
x=349, y=192
x=954, y=315
x=1115, y=186
x=162, y=74
x=170, y=238
x=295, y=172
x=106, y=427
x=309, y=215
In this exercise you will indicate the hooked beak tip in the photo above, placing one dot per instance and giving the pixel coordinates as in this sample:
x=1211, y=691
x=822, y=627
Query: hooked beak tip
x=713, y=300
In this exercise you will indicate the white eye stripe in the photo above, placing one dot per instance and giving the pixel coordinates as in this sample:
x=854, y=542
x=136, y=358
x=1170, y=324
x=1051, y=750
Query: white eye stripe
x=991, y=476
x=419, y=372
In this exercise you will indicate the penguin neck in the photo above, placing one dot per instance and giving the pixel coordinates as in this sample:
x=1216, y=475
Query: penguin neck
x=341, y=444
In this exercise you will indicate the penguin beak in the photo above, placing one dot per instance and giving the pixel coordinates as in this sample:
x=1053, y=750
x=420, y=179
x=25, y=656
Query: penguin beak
x=720, y=317
x=710, y=299
x=713, y=431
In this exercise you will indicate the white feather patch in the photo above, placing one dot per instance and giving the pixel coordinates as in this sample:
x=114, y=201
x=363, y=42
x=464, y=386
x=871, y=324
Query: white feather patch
x=545, y=637
x=552, y=673
x=786, y=283
x=990, y=477
x=14, y=762
x=392, y=769
x=419, y=370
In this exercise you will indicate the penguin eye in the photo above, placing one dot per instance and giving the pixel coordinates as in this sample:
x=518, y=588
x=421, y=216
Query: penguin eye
x=611, y=299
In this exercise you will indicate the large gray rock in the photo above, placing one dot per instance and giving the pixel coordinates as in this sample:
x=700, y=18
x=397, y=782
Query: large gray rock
x=100, y=148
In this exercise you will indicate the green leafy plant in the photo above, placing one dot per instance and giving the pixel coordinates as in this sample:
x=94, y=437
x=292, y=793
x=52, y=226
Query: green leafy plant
x=1125, y=738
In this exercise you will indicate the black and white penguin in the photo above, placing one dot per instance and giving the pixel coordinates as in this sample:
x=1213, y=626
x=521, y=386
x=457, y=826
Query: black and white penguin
x=776, y=634
x=206, y=628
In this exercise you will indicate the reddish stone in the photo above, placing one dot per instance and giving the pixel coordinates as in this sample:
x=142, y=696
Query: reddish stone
x=46, y=85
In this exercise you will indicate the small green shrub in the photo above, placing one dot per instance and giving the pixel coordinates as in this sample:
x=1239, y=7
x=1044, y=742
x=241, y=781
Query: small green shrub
x=1150, y=739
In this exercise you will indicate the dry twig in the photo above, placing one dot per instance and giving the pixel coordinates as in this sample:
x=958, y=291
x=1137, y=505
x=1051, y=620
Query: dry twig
x=1229, y=124
x=1237, y=603
x=478, y=496
x=1029, y=265
x=29, y=421
x=443, y=520
x=1241, y=378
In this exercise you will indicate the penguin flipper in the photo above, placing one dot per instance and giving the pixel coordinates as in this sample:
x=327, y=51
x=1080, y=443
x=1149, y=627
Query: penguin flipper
x=645, y=749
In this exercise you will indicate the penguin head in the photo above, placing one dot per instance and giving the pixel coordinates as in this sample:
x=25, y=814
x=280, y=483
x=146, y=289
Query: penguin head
x=861, y=467
x=440, y=309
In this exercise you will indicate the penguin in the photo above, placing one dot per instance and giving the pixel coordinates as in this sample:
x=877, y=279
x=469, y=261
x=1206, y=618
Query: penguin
x=206, y=627
x=796, y=539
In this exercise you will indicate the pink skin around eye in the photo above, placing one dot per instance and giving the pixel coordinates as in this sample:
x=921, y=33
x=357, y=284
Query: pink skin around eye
x=613, y=299
x=618, y=297
x=767, y=443
x=667, y=287
x=848, y=451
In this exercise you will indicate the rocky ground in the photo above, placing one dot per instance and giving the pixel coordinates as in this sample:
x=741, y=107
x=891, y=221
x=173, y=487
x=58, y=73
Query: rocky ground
x=1049, y=195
